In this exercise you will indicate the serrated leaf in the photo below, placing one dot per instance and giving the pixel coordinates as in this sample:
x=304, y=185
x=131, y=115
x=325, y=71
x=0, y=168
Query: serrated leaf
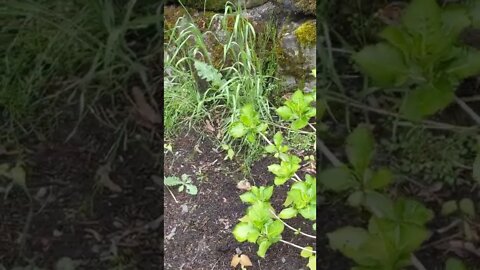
x=208, y=72
x=427, y=99
x=382, y=62
x=337, y=179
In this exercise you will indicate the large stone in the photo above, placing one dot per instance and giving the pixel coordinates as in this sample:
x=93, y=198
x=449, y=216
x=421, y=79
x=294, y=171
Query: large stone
x=299, y=6
x=218, y=5
x=296, y=54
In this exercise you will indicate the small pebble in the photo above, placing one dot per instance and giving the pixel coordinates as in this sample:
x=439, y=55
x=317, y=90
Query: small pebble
x=57, y=233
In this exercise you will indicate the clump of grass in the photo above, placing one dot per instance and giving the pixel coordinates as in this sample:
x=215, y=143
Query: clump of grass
x=57, y=55
x=246, y=68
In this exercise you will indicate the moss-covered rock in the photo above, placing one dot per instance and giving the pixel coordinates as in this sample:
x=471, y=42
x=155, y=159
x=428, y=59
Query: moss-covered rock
x=296, y=54
x=299, y=6
x=218, y=5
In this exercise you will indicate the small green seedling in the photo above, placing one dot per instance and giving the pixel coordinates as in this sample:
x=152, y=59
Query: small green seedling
x=230, y=152
x=298, y=109
x=421, y=56
x=394, y=233
x=185, y=184
x=358, y=177
x=465, y=210
x=312, y=258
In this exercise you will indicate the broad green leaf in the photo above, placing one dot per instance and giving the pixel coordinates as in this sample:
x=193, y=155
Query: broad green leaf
x=467, y=207
x=454, y=19
x=191, y=189
x=238, y=130
x=285, y=112
x=360, y=148
x=312, y=262
x=449, y=207
x=383, y=63
x=262, y=127
x=380, y=179
x=299, y=123
x=466, y=65
x=270, y=148
x=411, y=211
x=288, y=213
x=248, y=197
x=242, y=230
x=356, y=198
x=454, y=264
x=427, y=99
x=263, y=247
x=307, y=252
x=267, y=193
x=347, y=236
x=309, y=212
x=251, y=138
x=278, y=138
x=172, y=181
x=422, y=18
x=275, y=229
x=397, y=37
x=379, y=205
x=337, y=179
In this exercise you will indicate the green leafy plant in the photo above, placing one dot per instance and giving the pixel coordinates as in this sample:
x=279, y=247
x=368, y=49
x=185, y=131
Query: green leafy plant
x=358, y=178
x=184, y=183
x=394, y=233
x=261, y=224
x=298, y=109
x=248, y=125
x=464, y=210
x=421, y=56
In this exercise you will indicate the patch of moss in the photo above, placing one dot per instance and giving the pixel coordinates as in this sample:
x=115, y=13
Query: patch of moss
x=308, y=6
x=307, y=33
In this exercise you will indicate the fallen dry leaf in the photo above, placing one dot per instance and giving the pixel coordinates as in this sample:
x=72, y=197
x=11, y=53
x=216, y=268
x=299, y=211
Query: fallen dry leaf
x=235, y=261
x=103, y=178
x=143, y=108
x=245, y=261
x=244, y=185
x=209, y=126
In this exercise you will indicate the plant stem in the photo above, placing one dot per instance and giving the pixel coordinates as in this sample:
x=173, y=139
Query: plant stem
x=426, y=123
x=314, y=129
x=468, y=110
x=297, y=246
x=298, y=179
x=330, y=156
x=290, y=227
x=417, y=264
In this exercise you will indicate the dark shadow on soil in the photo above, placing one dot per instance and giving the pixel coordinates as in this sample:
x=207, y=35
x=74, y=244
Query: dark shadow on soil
x=74, y=216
